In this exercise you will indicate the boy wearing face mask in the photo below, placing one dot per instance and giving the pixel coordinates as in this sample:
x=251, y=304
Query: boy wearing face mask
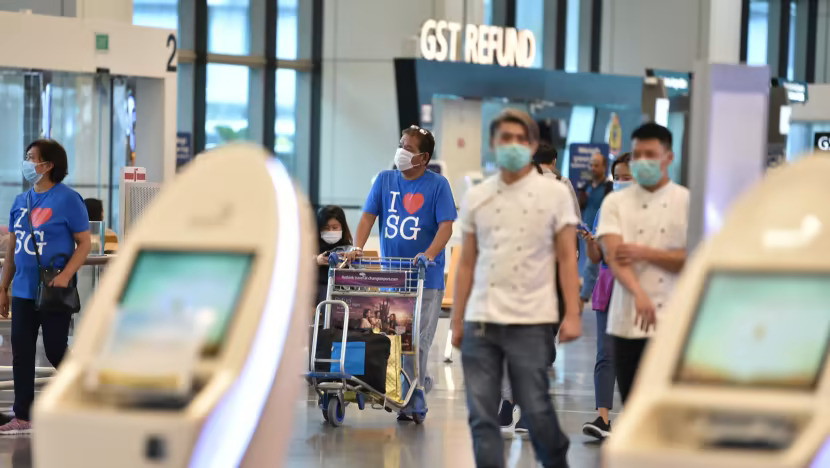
x=517, y=225
x=642, y=231
x=416, y=211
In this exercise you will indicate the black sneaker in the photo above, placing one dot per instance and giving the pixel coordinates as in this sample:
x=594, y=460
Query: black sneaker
x=597, y=429
x=508, y=416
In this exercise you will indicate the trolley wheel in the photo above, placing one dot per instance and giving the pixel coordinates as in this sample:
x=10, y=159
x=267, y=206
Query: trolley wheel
x=418, y=418
x=325, y=415
x=336, y=412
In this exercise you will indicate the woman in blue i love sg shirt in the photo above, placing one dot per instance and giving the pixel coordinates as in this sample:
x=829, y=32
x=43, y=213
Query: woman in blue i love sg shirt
x=59, y=224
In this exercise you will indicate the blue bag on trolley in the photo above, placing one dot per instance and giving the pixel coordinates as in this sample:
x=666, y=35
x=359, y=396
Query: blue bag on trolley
x=367, y=355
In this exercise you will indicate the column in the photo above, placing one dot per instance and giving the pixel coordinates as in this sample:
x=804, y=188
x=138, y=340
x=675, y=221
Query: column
x=729, y=123
x=721, y=31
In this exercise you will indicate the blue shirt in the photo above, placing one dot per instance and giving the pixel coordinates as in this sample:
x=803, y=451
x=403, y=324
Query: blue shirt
x=57, y=215
x=594, y=201
x=410, y=212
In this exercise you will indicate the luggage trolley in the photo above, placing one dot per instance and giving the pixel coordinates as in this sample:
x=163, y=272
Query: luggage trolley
x=380, y=280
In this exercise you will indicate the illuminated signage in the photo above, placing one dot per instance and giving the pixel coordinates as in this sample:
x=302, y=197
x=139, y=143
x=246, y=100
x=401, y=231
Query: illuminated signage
x=483, y=45
x=676, y=83
x=796, y=90
x=822, y=141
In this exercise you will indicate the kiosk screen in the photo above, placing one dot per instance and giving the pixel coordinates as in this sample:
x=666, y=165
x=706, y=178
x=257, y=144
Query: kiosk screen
x=177, y=282
x=759, y=329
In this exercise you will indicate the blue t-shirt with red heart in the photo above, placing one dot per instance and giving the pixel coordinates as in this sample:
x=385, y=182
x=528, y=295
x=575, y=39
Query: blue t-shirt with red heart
x=410, y=212
x=57, y=215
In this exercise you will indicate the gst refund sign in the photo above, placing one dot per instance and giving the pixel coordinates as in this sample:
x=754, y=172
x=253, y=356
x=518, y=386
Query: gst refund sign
x=483, y=45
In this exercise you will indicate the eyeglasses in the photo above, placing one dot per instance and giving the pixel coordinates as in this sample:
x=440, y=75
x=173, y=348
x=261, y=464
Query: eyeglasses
x=422, y=131
x=28, y=157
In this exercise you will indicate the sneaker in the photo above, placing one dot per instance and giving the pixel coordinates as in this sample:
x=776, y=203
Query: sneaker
x=509, y=415
x=521, y=426
x=15, y=427
x=428, y=384
x=597, y=429
x=403, y=417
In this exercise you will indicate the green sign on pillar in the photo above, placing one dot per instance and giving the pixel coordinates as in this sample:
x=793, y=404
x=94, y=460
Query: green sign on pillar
x=102, y=42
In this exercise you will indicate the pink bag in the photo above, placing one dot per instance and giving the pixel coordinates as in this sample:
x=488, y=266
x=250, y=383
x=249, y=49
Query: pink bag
x=602, y=290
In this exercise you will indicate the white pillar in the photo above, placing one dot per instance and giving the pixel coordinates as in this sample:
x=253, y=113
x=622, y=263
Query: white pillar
x=721, y=31
x=113, y=10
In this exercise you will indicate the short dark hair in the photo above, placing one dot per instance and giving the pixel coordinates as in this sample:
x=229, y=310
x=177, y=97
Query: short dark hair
x=518, y=117
x=546, y=154
x=653, y=131
x=334, y=212
x=95, y=208
x=426, y=140
x=51, y=151
x=624, y=159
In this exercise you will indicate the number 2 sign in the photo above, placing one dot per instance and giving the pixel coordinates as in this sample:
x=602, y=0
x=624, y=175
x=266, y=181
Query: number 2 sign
x=171, y=66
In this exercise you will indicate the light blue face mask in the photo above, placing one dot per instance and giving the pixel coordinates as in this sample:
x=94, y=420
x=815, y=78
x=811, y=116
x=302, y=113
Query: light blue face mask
x=646, y=172
x=621, y=184
x=30, y=172
x=512, y=157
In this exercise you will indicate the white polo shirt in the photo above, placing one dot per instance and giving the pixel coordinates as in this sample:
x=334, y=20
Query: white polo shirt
x=514, y=279
x=654, y=219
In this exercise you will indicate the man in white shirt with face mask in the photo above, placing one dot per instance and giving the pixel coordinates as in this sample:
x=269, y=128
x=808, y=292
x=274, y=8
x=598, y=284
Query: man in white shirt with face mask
x=642, y=230
x=516, y=225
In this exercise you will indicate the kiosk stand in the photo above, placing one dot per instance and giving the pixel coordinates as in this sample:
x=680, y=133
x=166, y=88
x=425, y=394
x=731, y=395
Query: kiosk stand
x=738, y=375
x=184, y=357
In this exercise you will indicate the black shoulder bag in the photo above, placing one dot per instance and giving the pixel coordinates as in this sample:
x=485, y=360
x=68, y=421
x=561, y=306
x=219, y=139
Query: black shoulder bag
x=52, y=298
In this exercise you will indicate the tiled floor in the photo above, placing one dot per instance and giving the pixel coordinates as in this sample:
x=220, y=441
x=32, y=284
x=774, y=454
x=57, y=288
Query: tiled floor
x=374, y=439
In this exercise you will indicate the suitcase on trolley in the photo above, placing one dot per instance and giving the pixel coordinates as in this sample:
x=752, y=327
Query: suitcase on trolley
x=367, y=355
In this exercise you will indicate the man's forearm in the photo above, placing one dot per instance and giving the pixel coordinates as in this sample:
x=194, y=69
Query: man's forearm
x=625, y=275
x=463, y=286
x=569, y=280
x=364, y=227
x=440, y=241
x=669, y=260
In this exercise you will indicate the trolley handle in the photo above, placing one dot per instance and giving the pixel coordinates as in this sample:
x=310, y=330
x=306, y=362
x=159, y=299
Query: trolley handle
x=417, y=261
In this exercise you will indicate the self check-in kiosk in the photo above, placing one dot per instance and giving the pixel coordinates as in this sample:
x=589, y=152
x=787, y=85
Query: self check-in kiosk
x=186, y=354
x=737, y=376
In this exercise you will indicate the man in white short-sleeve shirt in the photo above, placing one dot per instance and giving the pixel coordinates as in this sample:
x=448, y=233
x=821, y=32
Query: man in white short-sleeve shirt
x=516, y=226
x=642, y=230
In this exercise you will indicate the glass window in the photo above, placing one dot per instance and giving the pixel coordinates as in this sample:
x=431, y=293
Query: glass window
x=12, y=104
x=791, y=41
x=229, y=28
x=285, y=126
x=487, y=5
x=758, y=32
x=529, y=15
x=227, y=104
x=287, y=26
x=572, y=39
x=156, y=13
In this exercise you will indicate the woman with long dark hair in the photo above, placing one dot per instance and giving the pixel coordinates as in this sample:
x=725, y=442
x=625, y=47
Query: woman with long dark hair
x=334, y=233
x=51, y=218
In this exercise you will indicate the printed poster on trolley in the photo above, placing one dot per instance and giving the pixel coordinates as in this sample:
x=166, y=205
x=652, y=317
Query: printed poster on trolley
x=381, y=308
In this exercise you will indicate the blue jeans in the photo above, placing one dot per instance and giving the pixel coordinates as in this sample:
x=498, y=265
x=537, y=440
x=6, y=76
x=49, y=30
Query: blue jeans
x=526, y=349
x=604, y=375
x=590, y=272
x=430, y=310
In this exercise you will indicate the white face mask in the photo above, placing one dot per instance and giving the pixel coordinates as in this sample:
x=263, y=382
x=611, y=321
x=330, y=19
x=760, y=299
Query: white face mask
x=331, y=237
x=403, y=159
